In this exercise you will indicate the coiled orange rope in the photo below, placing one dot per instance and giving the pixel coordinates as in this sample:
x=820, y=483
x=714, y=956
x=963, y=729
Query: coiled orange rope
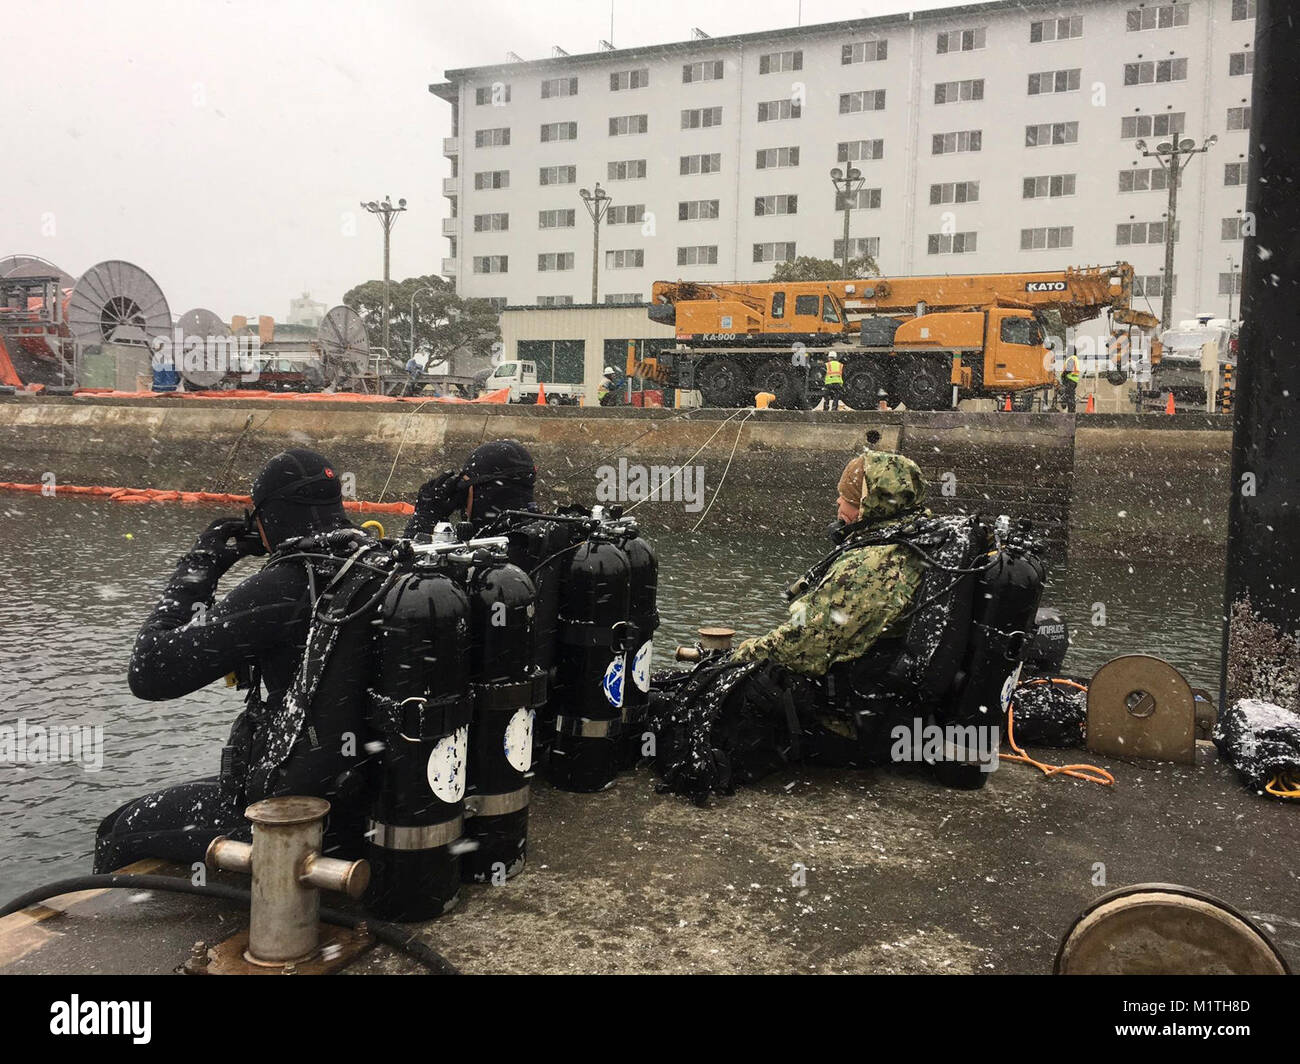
x=144, y=495
x=1088, y=773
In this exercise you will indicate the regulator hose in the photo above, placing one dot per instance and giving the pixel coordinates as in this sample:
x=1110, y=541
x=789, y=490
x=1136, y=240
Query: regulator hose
x=399, y=938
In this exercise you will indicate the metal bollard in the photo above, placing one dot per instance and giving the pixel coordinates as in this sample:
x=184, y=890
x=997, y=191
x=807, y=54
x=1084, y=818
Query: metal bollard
x=716, y=638
x=288, y=874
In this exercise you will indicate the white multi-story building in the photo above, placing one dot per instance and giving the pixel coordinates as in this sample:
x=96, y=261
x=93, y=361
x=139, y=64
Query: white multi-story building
x=993, y=138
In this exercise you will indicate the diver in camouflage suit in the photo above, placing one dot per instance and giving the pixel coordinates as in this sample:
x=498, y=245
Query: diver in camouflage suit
x=865, y=590
x=734, y=719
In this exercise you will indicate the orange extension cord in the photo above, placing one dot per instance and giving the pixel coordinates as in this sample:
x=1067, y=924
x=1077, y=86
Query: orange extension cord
x=1088, y=773
x=143, y=495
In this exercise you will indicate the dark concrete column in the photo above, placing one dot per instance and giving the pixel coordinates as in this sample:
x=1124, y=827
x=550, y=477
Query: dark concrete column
x=1262, y=627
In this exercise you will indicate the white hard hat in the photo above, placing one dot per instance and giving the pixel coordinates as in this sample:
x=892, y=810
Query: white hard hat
x=609, y=371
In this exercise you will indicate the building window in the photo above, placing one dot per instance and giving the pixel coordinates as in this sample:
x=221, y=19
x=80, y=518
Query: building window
x=697, y=210
x=626, y=170
x=557, y=175
x=1241, y=63
x=783, y=204
x=850, y=151
x=960, y=41
x=1151, y=285
x=868, y=100
x=491, y=223
x=701, y=164
x=626, y=125
x=1238, y=117
x=621, y=80
x=955, y=192
x=492, y=179
x=1040, y=136
x=497, y=303
x=709, y=70
x=559, y=131
x=559, y=87
x=491, y=263
x=624, y=297
x=556, y=219
x=1234, y=173
x=776, y=110
x=1147, y=179
x=1231, y=228
x=626, y=214
x=774, y=158
x=957, y=91
x=1243, y=9
x=496, y=94
x=860, y=247
x=950, y=244
x=1152, y=72
x=949, y=143
x=1165, y=125
x=1160, y=17
x=775, y=62
x=1142, y=233
x=701, y=117
x=551, y=261
x=1230, y=283
x=864, y=199
x=864, y=52
x=492, y=138
x=1054, y=81
x=555, y=301
x=780, y=251
x=1048, y=186
x=625, y=259
x=1045, y=238
x=702, y=255
x=1056, y=29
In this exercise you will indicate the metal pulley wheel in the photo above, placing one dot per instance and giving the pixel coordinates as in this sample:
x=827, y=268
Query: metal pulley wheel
x=1163, y=929
x=1140, y=706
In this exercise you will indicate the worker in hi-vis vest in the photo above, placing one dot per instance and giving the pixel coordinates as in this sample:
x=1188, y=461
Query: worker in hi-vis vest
x=1069, y=379
x=834, y=382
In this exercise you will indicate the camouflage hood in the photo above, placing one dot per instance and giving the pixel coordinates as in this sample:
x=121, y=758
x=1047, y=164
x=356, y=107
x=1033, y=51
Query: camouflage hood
x=891, y=486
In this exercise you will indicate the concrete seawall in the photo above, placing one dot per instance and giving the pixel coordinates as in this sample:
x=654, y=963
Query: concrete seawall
x=1125, y=485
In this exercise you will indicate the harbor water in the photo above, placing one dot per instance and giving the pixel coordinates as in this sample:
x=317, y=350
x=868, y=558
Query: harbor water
x=82, y=575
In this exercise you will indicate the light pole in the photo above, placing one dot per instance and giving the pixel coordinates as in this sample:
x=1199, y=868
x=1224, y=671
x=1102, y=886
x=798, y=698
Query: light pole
x=597, y=203
x=1173, y=156
x=846, y=184
x=426, y=288
x=387, y=215
x=1232, y=283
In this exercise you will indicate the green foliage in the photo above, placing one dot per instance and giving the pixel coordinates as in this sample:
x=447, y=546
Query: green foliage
x=807, y=268
x=445, y=324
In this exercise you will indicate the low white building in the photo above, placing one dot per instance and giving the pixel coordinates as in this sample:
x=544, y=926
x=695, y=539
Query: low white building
x=992, y=137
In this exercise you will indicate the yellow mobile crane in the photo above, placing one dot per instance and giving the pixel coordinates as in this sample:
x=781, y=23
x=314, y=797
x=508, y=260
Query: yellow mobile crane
x=922, y=341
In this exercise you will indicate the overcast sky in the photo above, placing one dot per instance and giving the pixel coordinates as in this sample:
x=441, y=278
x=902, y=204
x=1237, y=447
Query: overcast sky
x=221, y=145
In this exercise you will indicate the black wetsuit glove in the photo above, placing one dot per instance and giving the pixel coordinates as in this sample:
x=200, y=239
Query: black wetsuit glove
x=218, y=547
x=223, y=543
x=439, y=498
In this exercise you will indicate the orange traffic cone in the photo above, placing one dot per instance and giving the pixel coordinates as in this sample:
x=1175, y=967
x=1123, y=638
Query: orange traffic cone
x=1007, y=404
x=1169, y=404
x=541, y=394
x=1092, y=404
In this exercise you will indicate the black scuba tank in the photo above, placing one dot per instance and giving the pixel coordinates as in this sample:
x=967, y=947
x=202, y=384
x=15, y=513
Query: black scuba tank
x=643, y=613
x=590, y=681
x=1006, y=598
x=421, y=706
x=507, y=688
x=540, y=549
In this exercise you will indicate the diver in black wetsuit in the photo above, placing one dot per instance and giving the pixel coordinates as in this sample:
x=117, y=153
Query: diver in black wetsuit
x=258, y=632
x=498, y=476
